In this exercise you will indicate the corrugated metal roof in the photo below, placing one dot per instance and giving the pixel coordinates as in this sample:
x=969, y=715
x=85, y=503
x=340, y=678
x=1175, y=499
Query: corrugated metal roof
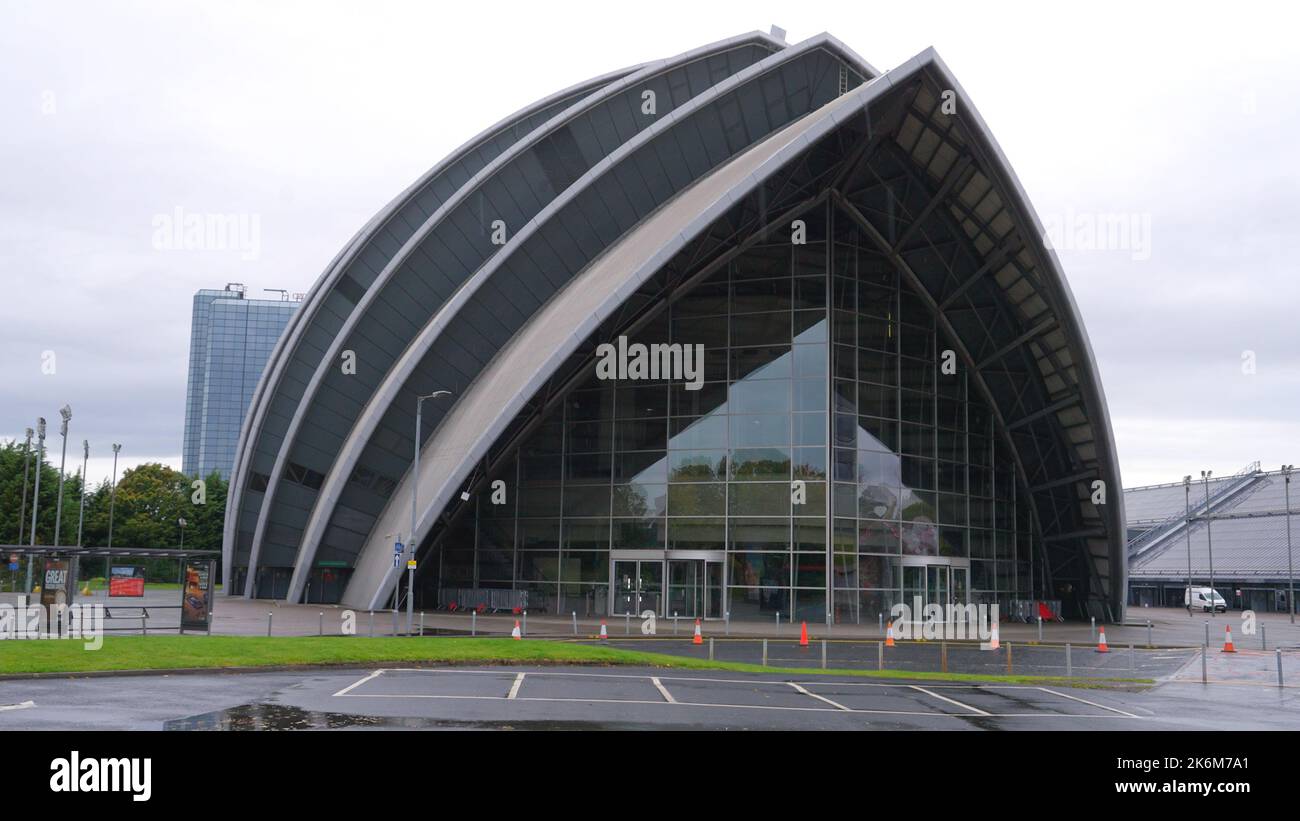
x=1242, y=547
x=1247, y=532
x=1155, y=503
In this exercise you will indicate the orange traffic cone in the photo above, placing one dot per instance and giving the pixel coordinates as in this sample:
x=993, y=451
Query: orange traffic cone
x=803, y=635
x=604, y=634
x=515, y=634
x=994, y=641
x=889, y=634
x=1227, y=641
x=1101, y=642
x=698, y=638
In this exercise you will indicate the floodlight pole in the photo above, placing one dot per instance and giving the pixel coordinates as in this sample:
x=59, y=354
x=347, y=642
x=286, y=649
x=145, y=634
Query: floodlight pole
x=415, y=491
x=1290, y=568
x=81, y=511
x=112, y=496
x=1187, y=531
x=36, y=495
x=27, y=461
x=1209, y=540
x=66, y=413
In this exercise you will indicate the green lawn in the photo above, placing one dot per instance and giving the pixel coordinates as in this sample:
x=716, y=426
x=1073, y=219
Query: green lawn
x=178, y=652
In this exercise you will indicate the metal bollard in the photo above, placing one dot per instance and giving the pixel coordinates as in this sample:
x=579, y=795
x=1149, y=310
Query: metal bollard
x=524, y=631
x=1069, y=662
x=764, y=652
x=269, y=616
x=372, y=624
x=1207, y=635
x=575, y=622
x=422, y=624
x=1149, y=644
x=1040, y=629
x=1093, y=634
x=1008, y=658
x=321, y=622
x=1263, y=637
x=627, y=624
x=726, y=616
x=473, y=622
x=880, y=655
x=823, y=654
x=710, y=648
x=1278, y=653
x=943, y=657
x=778, y=622
x=674, y=622
x=880, y=622
x=1204, y=678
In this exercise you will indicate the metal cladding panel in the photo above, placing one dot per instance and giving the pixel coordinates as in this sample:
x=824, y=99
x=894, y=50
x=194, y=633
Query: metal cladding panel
x=363, y=256
x=535, y=173
x=547, y=261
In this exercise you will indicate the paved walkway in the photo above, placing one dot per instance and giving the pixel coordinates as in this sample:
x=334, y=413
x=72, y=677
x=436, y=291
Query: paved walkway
x=1169, y=627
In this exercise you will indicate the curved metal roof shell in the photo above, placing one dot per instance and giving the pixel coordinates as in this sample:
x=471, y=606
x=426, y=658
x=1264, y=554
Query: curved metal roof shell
x=921, y=178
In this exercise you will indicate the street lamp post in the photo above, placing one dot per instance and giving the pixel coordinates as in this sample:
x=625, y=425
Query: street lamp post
x=1187, y=531
x=1209, y=539
x=66, y=413
x=182, y=523
x=1290, y=572
x=81, y=511
x=36, y=495
x=27, y=461
x=415, y=492
x=112, y=496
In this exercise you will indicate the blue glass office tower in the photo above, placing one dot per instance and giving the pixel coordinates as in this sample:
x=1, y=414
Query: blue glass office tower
x=231, y=339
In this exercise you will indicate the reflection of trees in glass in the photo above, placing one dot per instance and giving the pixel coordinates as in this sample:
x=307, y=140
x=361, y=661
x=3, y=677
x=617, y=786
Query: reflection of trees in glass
x=763, y=469
x=699, y=470
x=630, y=500
x=806, y=470
x=697, y=499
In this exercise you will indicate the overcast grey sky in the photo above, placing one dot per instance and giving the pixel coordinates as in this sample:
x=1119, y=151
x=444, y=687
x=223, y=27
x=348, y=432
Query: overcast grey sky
x=310, y=116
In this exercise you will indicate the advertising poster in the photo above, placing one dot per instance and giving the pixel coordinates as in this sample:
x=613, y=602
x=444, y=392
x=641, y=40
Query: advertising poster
x=126, y=580
x=196, y=596
x=55, y=583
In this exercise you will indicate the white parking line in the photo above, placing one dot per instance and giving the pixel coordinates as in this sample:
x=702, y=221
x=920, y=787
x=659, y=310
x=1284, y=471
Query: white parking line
x=975, y=710
x=663, y=691
x=1086, y=701
x=725, y=706
x=374, y=675
x=21, y=706
x=514, y=688
x=658, y=683
x=804, y=690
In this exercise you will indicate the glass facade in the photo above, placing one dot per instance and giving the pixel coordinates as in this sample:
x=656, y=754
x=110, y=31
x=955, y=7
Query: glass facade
x=829, y=465
x=231, y=339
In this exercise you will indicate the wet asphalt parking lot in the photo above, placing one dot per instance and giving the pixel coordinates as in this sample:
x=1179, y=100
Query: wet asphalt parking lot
x=618, y=698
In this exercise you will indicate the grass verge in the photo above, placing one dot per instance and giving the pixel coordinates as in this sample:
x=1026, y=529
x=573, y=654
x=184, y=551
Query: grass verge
x=162, y=653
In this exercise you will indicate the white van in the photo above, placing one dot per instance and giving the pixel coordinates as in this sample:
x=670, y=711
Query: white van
x=1203, y=598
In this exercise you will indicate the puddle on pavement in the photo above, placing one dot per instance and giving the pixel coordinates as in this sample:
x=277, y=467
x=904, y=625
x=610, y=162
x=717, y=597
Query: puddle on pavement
x=284, y=717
